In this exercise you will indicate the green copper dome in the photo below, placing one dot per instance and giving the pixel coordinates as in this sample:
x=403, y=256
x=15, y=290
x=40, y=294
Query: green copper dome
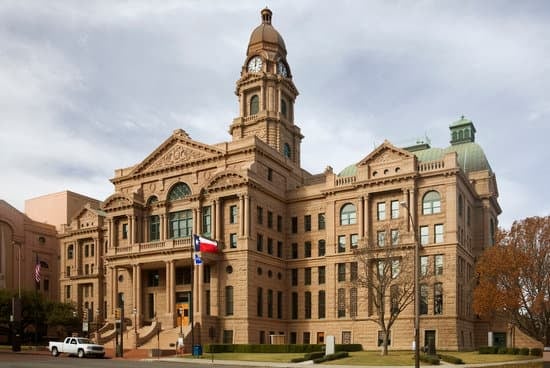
x=350, y=170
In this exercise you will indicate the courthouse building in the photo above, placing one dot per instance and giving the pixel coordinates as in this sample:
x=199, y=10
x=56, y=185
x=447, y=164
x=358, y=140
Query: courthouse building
x=288, y=239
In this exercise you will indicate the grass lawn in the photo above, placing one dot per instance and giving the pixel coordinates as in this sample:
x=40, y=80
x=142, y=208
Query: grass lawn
x=372, y=358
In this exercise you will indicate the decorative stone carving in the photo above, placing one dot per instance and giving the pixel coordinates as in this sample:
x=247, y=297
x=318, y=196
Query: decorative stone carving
x=176, y=155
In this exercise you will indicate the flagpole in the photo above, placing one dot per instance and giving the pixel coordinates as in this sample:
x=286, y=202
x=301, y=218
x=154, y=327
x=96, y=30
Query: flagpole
x=192, y=296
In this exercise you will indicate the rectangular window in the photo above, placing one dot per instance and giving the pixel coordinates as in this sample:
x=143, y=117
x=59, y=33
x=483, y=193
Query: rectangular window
x=68, y=292
x=207, y=221
x=321, y=221
x=233, y=214
x=307, y=305
x=279, y=223
x=381, y=238
x=269, y=246
x=227, y=336
x=229, y=300
x=438, y=263
x=294, y=250
x=270, y=303
x=67, y=271
x=395, y=268
x=269, y=174
x=280, y=249
x=260, y=243
x=294, y=305
x=381, y=211
x=381, y=335
x=394, y=209
x=424, y=235
x=307, y=338
x=307, y=223
x=154, y=228
x=207, y=274
x=321, y=306
x=341, y=272
x=353, y=302
x=270, y=219
x=423, y=299
x=321, y=275
x=321, y=245
x=341, y=302
x=125, y=231
x=394, y=299
x=208, y=304
x=260, y=215
x=341, y=243
x=307, y=276
x=438, y=233
x=307, y=249
x=183, y=275
x=294, y=276
x=279, y=304
x=260, y=302
x=353, y=271
x=181, y=224
x=394, y=237
x=438, y=298
x=153, y=278
x=423, y=265
x=233, y=240
x=294, y=225
x=354, y=240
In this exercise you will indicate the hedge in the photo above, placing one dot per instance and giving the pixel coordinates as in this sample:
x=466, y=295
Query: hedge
x=276, y=348
x=339, y=355
x=451, y=359
x=431, y=359
x=524, y=351
x=536, y=351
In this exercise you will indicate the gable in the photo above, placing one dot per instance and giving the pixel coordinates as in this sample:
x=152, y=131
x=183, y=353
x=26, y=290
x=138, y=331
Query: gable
x=177, y=150
x=116, y=200
x=226, y=180
x=385, y=154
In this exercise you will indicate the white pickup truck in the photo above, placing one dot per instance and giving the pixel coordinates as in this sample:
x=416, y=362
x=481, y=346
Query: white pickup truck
x=79, y=346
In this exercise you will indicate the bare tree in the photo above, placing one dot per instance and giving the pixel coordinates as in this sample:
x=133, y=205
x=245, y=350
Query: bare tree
x=387, y=273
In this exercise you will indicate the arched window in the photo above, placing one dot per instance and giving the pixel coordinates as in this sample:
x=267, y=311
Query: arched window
x=151, y=200
x=70, y=251
x=286, y=150
x=283, y=107
x=431, y=203
x=348, y=215
x=254, y=105
x=154, y=228
x=179, y=191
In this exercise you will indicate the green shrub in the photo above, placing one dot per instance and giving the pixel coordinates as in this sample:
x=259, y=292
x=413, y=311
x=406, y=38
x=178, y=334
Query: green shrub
x=502, y=350
x=314, y=355
x=339, y=355
x=488, y=349
x=451, y=359
x=262, y=348
x=536, y=352
x=524, y=351
x=348, y=347
x=430, y=359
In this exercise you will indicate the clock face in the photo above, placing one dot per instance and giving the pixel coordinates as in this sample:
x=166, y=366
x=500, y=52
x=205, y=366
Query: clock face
x=281, y=69
x=255, y=64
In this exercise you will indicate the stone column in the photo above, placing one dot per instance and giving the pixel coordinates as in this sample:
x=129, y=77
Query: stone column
x=361, y=216
x=114, y=289
x=218, y=221
x=241, y=215
x=169, y=286
x=366, y=208
x=109, y=233
x=246, y=216
x=162, y=226
x=139, y=294
x=130, y=229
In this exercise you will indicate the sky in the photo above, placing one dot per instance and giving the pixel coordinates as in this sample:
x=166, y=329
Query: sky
x=87, y=87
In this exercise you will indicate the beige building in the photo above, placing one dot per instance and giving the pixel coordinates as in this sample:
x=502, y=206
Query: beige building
x=23, y=244
x=287, y=238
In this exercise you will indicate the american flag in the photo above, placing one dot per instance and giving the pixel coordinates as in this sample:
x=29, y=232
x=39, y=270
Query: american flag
x=37, y=268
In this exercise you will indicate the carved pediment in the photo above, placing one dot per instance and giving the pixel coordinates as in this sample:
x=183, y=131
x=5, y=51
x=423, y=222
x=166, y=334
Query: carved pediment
x=385, y=154
x=116, y=201
x=177, y=150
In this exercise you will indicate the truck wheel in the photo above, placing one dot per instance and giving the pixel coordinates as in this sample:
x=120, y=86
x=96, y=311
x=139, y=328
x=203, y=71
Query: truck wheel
x=55, y=352
x=80, y=353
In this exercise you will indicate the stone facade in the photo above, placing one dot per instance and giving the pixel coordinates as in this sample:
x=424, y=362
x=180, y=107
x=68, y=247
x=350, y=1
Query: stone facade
x=288, y=239
x=23, y=243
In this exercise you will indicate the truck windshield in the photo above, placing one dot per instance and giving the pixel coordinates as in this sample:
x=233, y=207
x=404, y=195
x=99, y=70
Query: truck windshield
x=84, y=341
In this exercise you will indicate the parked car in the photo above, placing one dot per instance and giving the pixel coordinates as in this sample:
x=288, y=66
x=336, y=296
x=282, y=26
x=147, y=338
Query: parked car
x=79, y=346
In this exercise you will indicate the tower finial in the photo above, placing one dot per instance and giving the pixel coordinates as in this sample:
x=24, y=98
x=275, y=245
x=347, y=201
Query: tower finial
x=266, y=15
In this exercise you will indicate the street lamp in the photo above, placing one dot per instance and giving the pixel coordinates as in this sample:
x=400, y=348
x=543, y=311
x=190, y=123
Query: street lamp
x=416, y=289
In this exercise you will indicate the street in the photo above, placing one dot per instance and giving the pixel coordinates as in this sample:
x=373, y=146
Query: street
x=43, y=359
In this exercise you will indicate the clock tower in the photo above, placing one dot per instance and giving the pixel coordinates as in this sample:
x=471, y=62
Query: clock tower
x=267, y=94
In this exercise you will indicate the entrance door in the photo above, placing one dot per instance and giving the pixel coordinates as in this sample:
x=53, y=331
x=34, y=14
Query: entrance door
x=429, y=342
x=182, y=310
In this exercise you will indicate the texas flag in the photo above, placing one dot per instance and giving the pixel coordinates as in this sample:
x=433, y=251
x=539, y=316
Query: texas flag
x=205, y=245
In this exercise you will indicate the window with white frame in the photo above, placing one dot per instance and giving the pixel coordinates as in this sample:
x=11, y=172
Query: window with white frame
x=348, y=215
x=381, y=211
x=381, y=238
x=438, y=264
x=438, y=233
x=354, y=240
x=423, y=265
x=431, y=203
x=424, y=235
x=394, y=236
x=341, y=243
x=394, y=209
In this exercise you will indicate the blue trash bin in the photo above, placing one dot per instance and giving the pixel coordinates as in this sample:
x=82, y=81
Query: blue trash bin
x=197, y=350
